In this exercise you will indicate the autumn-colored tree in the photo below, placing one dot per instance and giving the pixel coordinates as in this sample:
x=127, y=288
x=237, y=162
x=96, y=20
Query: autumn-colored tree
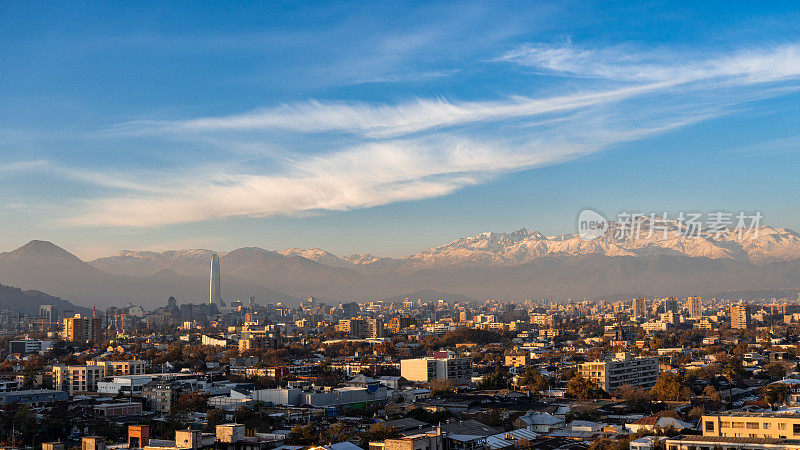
x=533, y=380
x=670, y=387
x=378, y=432
x=582, y=389
x=192, y=402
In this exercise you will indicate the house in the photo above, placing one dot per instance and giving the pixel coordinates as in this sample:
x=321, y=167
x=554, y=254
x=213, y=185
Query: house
x=539, y=422
x=650, y=423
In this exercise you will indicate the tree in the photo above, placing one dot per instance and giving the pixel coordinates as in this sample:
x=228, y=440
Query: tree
x=192, y=402
x=533, y=380
x=338, y=432
x=776, y=393
x=499, y=379
x=214, y=417
x=582, y=389
x=733, y=370
x=670, y=387
x=303, y=435
x=637, y=399
x=378, y=432
x=442, y=388
x=712, y=394
x=775, y=370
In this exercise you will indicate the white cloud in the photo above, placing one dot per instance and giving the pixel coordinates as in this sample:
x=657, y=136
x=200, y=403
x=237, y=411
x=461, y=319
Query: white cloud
x=627, y=64
x=428, y=147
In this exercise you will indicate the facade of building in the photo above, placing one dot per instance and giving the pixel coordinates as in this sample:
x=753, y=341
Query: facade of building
x=161, y=397
x=740, y=317
x=77, y=379
x=82, y=329
x=215, y=282
x=259, y=342
x=115, y=368
x=639, y=307
x=29, y=346
x=695, y=307
x=752, y=425
x=517, y=358
x=445, y=367
x=622, y=369
x=399, y=323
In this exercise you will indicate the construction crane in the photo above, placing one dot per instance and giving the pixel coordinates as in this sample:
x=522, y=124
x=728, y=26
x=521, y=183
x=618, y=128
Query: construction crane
x=44, y=322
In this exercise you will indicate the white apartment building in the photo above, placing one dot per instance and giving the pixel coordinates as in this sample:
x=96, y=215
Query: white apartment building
x=77, y=379
x=443, y=366
x=623, y=369
x=114, y=368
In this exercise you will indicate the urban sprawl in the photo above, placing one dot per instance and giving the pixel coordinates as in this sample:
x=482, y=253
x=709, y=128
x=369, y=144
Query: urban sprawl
x=416, y=374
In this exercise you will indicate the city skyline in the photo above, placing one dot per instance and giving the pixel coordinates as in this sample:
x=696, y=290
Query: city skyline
x=337, y=127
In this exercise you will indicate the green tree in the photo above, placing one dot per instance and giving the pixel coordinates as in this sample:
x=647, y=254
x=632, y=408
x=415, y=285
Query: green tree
x=776, y=393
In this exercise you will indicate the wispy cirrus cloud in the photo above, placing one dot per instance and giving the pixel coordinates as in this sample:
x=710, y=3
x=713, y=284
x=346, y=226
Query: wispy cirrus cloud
x=426, y=148
x=642, y=73
x=624, y=63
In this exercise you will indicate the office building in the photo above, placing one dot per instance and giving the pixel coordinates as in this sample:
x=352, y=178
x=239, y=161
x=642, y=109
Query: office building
x=622, y=369
x=115, y=368
x=29, y=346
x=215, y=286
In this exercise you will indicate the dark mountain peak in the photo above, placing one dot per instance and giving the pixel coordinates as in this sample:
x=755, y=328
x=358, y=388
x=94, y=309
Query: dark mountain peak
x=39, y=251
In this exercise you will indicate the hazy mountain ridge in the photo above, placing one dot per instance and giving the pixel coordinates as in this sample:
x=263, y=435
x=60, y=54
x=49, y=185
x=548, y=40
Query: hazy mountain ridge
x=28, y=302
x=516, y=265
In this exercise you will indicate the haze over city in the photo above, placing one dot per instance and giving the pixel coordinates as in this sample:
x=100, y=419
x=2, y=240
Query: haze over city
x=399, y=225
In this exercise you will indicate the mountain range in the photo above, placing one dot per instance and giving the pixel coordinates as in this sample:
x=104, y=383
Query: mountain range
x=523, y=264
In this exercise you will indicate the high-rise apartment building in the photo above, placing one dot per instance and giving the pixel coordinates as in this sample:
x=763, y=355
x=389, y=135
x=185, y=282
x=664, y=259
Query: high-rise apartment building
x=695, y=307
x=82, y=329
x=375, y=328
x=639, y=307
x=215, y=287
x=671, y=305
x=740, y=316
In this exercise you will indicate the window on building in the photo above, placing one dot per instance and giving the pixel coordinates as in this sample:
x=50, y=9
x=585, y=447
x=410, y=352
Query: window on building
x=709, y=425
x=796, y=428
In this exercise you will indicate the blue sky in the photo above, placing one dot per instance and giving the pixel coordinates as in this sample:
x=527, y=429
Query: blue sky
x=386, y=127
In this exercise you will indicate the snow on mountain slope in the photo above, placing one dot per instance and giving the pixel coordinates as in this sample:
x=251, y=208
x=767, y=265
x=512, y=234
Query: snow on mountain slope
x=492, y=249
x=520, y=247
x=189, y=262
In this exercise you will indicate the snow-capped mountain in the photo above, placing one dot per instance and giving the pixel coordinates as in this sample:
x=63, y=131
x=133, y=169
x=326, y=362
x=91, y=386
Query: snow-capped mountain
x=144, y=263
x=652, y=258
x=642, y=239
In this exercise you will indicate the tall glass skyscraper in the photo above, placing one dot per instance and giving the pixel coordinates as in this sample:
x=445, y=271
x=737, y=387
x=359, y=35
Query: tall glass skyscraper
x=214, y=291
